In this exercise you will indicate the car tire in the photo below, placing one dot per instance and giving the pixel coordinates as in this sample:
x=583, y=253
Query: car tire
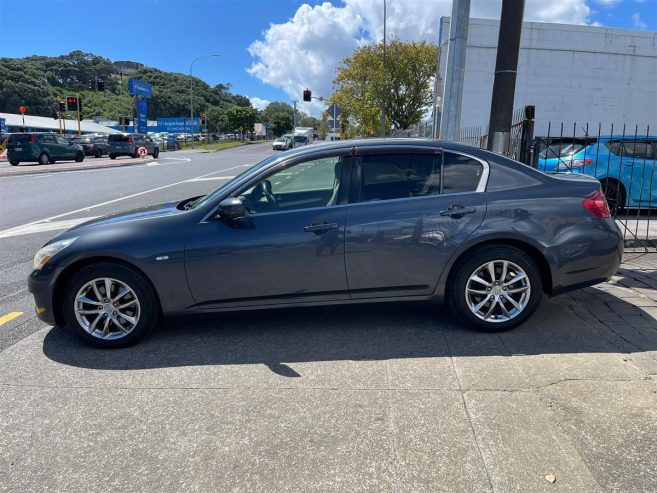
x=112, y=156
x=615, y=196
x=108, y=329
x=488, y=304
x=44, y=159
x=156, y=153
x=98, y=154
x=79, y=157
x=52, y=161
x=14, y=162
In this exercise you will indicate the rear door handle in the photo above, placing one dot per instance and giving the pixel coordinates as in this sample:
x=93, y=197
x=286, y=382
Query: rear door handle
x=321, y=227
x=457, y=210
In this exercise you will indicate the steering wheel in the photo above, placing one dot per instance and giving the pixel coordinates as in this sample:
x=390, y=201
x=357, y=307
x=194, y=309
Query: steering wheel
x=264, y=191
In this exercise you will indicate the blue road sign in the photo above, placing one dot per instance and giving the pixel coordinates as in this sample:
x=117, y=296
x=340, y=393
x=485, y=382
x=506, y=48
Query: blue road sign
x=141, y=122
x=139, y=88
x=178, y=125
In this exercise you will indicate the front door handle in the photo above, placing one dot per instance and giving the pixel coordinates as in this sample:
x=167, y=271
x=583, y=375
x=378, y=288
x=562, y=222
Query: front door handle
x=458, y=210
x=320, y=227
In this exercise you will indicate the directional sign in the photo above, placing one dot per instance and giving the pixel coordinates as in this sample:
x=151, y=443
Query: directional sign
x=139, y=88
x=141, y=122
x=178, y=125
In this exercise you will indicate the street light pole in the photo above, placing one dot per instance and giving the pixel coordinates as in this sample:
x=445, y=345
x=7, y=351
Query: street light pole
x=191, y=92
x=383, y=103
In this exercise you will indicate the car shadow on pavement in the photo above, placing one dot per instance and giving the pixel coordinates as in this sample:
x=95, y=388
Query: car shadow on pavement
x=359, y=333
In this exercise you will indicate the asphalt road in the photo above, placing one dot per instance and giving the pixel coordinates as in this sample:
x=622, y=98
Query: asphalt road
x=348, y=398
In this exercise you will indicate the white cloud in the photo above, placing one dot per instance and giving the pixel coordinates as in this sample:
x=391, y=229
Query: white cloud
x=608, y=3
x=258, y=103
x=638, y=22
x=305, y=51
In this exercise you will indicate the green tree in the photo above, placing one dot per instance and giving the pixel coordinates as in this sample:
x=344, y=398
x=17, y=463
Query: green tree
x=281, y=123
x=217, y=119
x=403, y=87
x=241, y=117
x=274, y=108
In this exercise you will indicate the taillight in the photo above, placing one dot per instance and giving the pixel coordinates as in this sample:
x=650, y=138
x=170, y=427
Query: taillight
x=580, y=163
x=129, y=140
x=596, y=204
x=33, y=139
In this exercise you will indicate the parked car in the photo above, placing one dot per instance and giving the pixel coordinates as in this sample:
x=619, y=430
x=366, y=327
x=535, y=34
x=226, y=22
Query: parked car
x=93, y=146
x=282, y=144
x=626, y=166
x=42, y=148
x=128, y=145
x=342, y=222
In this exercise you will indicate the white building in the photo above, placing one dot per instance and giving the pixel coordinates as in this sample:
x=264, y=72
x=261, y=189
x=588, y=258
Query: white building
x=570, y=73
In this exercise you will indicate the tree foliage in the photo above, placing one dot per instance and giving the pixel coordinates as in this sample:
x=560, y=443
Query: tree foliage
x=363, y=84
x=241, y=117
x=281, y=123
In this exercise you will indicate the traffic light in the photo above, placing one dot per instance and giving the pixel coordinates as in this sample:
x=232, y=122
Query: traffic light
x=100, y=85
x=80, y=105
x=72, y=103
x=307, y=95
x=62, y=106
x=204, y=120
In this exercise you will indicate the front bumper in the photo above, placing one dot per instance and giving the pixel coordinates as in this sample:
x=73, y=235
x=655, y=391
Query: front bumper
x=41, y=288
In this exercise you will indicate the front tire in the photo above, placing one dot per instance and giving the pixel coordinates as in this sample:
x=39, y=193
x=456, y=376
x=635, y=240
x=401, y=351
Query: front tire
x=495, y=289
x=156, y=153
x=98, y=154
x=110, y=305
x=14, y=162
x=79, y=157
x=112, y=156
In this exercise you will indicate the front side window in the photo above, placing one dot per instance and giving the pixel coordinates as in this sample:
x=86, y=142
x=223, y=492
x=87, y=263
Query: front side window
x=62, y=141
x=314, y=183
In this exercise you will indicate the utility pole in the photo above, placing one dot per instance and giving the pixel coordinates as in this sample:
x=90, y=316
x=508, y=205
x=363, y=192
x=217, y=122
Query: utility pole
x=191, y=93
x=450, y=122
x=294, y=114
x=506, y=69
x=383, y=102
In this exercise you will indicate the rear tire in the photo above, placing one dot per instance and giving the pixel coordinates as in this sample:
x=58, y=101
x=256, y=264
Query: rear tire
x=112, y=156
x=615, y=195
x=79, y=157
x=98, y=154
x=119, y=332
x=502, y=302
x=156, y=153
x=44, y=159
x=14, y=162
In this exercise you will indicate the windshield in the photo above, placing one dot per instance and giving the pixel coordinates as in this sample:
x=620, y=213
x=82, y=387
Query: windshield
x=213, y=195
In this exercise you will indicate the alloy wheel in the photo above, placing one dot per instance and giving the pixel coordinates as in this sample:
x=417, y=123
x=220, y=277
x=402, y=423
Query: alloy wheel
x=107, y=308
x=498, y=291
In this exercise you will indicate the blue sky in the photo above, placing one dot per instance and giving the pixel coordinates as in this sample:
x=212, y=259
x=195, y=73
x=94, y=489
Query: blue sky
x=302, y=48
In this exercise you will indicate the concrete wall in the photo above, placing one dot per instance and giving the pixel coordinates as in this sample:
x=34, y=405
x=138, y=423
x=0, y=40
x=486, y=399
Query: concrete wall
x=572, y=74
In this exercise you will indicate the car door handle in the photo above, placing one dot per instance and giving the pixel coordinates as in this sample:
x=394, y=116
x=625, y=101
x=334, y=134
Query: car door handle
x=321, y=227
x=457, y=210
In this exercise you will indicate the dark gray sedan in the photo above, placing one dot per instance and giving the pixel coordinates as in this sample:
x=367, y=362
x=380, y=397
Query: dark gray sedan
x=344, y=222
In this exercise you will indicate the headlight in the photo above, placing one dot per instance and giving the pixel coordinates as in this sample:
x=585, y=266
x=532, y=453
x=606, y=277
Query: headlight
x=49, y=251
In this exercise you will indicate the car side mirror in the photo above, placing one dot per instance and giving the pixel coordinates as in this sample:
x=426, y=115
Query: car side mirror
x=231, y=208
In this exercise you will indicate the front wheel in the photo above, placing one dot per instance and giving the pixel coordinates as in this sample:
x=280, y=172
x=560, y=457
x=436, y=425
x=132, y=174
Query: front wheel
x=14, y=162
x=156, y=153
x=110, y=305
x=98, y=153
x=79, y=157
x=495, y=289
x=112, y=156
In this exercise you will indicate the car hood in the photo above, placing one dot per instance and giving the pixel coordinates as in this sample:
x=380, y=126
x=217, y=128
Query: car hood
x=166, y=209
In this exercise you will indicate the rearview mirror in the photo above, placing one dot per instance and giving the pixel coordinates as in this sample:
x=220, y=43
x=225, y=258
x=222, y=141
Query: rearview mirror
x=231, y=208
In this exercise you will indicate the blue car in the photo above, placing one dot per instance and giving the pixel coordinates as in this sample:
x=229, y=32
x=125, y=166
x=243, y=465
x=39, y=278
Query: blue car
x=624, y=166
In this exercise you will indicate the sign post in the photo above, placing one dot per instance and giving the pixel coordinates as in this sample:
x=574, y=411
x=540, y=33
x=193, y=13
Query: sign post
x=22, y=110
x=140, y=90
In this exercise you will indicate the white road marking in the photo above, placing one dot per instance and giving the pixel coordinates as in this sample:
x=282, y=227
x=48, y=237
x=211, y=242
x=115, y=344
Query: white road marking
x=211, y=178
x=32, y=228
x=27, y=228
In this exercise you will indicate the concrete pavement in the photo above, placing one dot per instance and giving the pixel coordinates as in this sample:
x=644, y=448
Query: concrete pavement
x=349, y=398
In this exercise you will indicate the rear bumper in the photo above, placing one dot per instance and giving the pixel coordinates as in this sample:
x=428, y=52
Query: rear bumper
x=41, y=289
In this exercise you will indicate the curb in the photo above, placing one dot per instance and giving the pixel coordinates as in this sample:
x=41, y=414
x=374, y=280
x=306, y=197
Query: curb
x=52, y=169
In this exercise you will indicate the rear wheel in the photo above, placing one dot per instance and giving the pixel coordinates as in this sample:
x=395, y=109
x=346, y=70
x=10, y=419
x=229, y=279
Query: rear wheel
x=156, y=153
x=14, y=162
x=112, y=156
x=110, y=305
x=495, y=289
x=615, y=195
x=79, y=157
x=44, y=159
x=98, y=153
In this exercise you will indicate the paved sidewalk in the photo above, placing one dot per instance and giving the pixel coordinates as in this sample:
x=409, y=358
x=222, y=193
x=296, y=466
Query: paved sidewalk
x=368, y=398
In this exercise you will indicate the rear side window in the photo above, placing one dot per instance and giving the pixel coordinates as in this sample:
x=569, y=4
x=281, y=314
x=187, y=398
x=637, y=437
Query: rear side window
x=118, y=138
x=640, y=150
x=461, y=173
x=19, y=139
x=48, y=139
x=396, y=176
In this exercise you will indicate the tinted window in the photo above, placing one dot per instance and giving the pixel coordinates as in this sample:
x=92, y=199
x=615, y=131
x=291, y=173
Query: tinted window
x=19, y=139
x=48, y=139
x=560, y=150
x=396, y=176
x=460, y=173
x=118, y=138
x=63, y=141
x=640, y=150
